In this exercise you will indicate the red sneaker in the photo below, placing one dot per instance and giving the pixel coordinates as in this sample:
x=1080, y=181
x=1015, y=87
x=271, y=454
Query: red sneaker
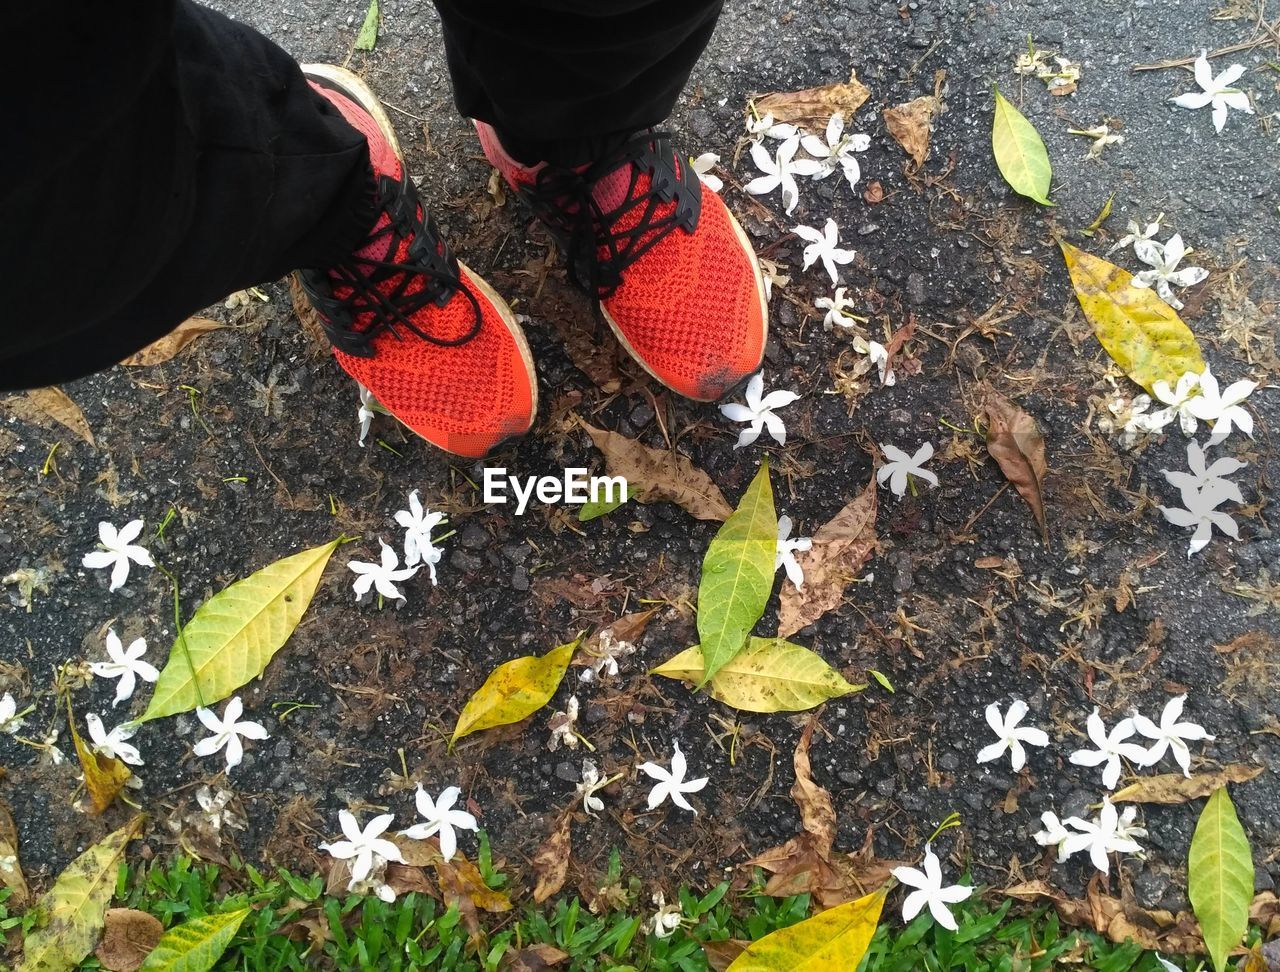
x=432, y=341
x=674, y=274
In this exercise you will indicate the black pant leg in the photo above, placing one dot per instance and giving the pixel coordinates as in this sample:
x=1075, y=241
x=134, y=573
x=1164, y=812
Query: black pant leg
x=564, y=80
x=220, y=169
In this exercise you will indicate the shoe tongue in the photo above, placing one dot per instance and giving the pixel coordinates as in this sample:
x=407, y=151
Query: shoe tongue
x=611, y=191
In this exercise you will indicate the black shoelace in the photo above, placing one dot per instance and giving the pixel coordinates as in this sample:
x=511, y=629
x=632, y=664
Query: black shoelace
x=391, y=309
x=565, y=200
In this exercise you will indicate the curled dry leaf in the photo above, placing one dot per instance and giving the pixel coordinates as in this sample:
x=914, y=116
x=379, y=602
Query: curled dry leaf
x=841, y=547
x=660, y=474
x=41, y=406
x=128, y=937
x=12, y=876
x=1015, y=443
x=157, y=352
x=817, y=812
x=720, y=955
x=1176, y=788
x=534, y=958
x=911, y=123
x=812, y=108
x=551, y=860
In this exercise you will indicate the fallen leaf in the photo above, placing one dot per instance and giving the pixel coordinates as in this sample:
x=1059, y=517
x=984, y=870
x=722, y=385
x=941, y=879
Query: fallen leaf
x=1220, y=877
x=233, y=635
x=1015, y=443
x=768, y=675
x=1020, y=152
x=594, y=509
x=551, y=860
x=911, y=123
x=1249, y=641
x=104, y=777
x=403, y=879
x=367, y=39
x=874, y=193
x=73, y=910
x=11, y=877
x=513, y=691
x=817, y=812
x=128, y=937
x=534, y=958
x=834, y=939
x=812, y=108
x=157, y=352
x=1143, y=334
x=737, y=575
x=41, y=406
x=841, y=547
x=720, y=955
x=659, y=475
x=1176, y=788
x=195, y=945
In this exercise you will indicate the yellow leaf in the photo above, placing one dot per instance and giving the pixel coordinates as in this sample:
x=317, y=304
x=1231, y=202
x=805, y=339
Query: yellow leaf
x=769, y=675
x=74, y=909
x=234, y=634
x=195, y=945
x=104, y=777
x=42, y=405
x=166, y=347
x=835, y=939
x=1020, y=152
x=1142, y=333
x=514, y=690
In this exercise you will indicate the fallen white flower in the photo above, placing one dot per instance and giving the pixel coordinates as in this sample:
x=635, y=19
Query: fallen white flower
x=901, y=467
x=666, y=919
x=930, y=891
x=118, y=549
x=1126, y=830
x=382, y=576
x=1100, y=837
x=586, y=790
x=822, y=248
x=1109, y=748
x=1170, y=735
x=1164, y=273
x=1054, y=834
x=1216, y=91
x=786, y=552
x=562, y=726
x=702, y=167
x=1137, y=233
x=366, y=849
x=1202, y=514
x=1010, y=735
x=365, y=413
x=1211, y=476
x=227, y=732
x=879, y=356
x=766, y=127
x=1223, y=408
x=835, y=306
x=1102, y=136
x=606, y=655
x=418, y=524
x=836, y=152
x=10, y=721
x=672, y=783
x=126, y=665
x=50, y=754
x=1133, y=419
x=441, y=819
x=777, y=171
x=758, y=412
x=114, y=744
x=1178, y=401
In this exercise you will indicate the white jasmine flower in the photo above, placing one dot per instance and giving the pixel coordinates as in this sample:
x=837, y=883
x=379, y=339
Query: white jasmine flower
x=835, y=306
x=1099, y=837
x=227, y=732
x=879, y=356
x=702, y=167
x=1167, y=965
x=1110, y=747
x=1164, y=273
x=1010, y=735
x=1137, y=233
x=114, y=744
x=418, y=524
x=591, y=782
x=766, y=127
x=126, y=665
x=366, y=412
x=772, y=275
x=382, y=576
x=1201, y=513
x=672, y=784
x=930, y=891
x=901, y=466
x=786, y=553
x=1204, y=476
x=10, y=721
x=758, y=412
x=1216, y=91
x=607, y=653
x=215, y=812
x=822, y=247
x=836, y=152
x=51, y=755
x=1102, y=137
x=1178, y=401
x=441, y=820
x=366, y=849
x=1170, y=734
x=665, y=920
x=1126, y=830
x=1054, y=834
x=118, y=549
x=1223, y=408
x=777, y=171
x=1133, y=418
x=562, y=726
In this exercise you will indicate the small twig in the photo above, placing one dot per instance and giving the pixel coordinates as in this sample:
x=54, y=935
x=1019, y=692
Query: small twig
x=1272, y=37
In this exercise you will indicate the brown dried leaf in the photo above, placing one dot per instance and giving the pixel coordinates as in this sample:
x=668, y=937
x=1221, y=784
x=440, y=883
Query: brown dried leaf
x=104, y=777
x=812, y=108
x=534, y=958
x=911, y=123
x=817, y=813
x=720, y=955
x=551, y=860
x=1015, y=443
x=404, y=878
x=44, y=405
x=157, y=352
x=1176, y=788
x=874, y=193
x=128, y=937
x=1249, y=641
x=12, y=876
x=459, y=878
x=841, y=547
x=659, y=474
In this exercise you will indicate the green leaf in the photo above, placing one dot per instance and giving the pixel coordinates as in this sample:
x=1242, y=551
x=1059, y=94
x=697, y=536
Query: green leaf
x=737, y=576
x=368, y=36
x=1220, y=877
x=514, y=690
x=1142, y=333
x=769, y=675
x=195, y=945
x=74, y=909
x=234, y=634
x=883, y=679
x=1020, y=153
x=590, y=510
x=833, y=939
